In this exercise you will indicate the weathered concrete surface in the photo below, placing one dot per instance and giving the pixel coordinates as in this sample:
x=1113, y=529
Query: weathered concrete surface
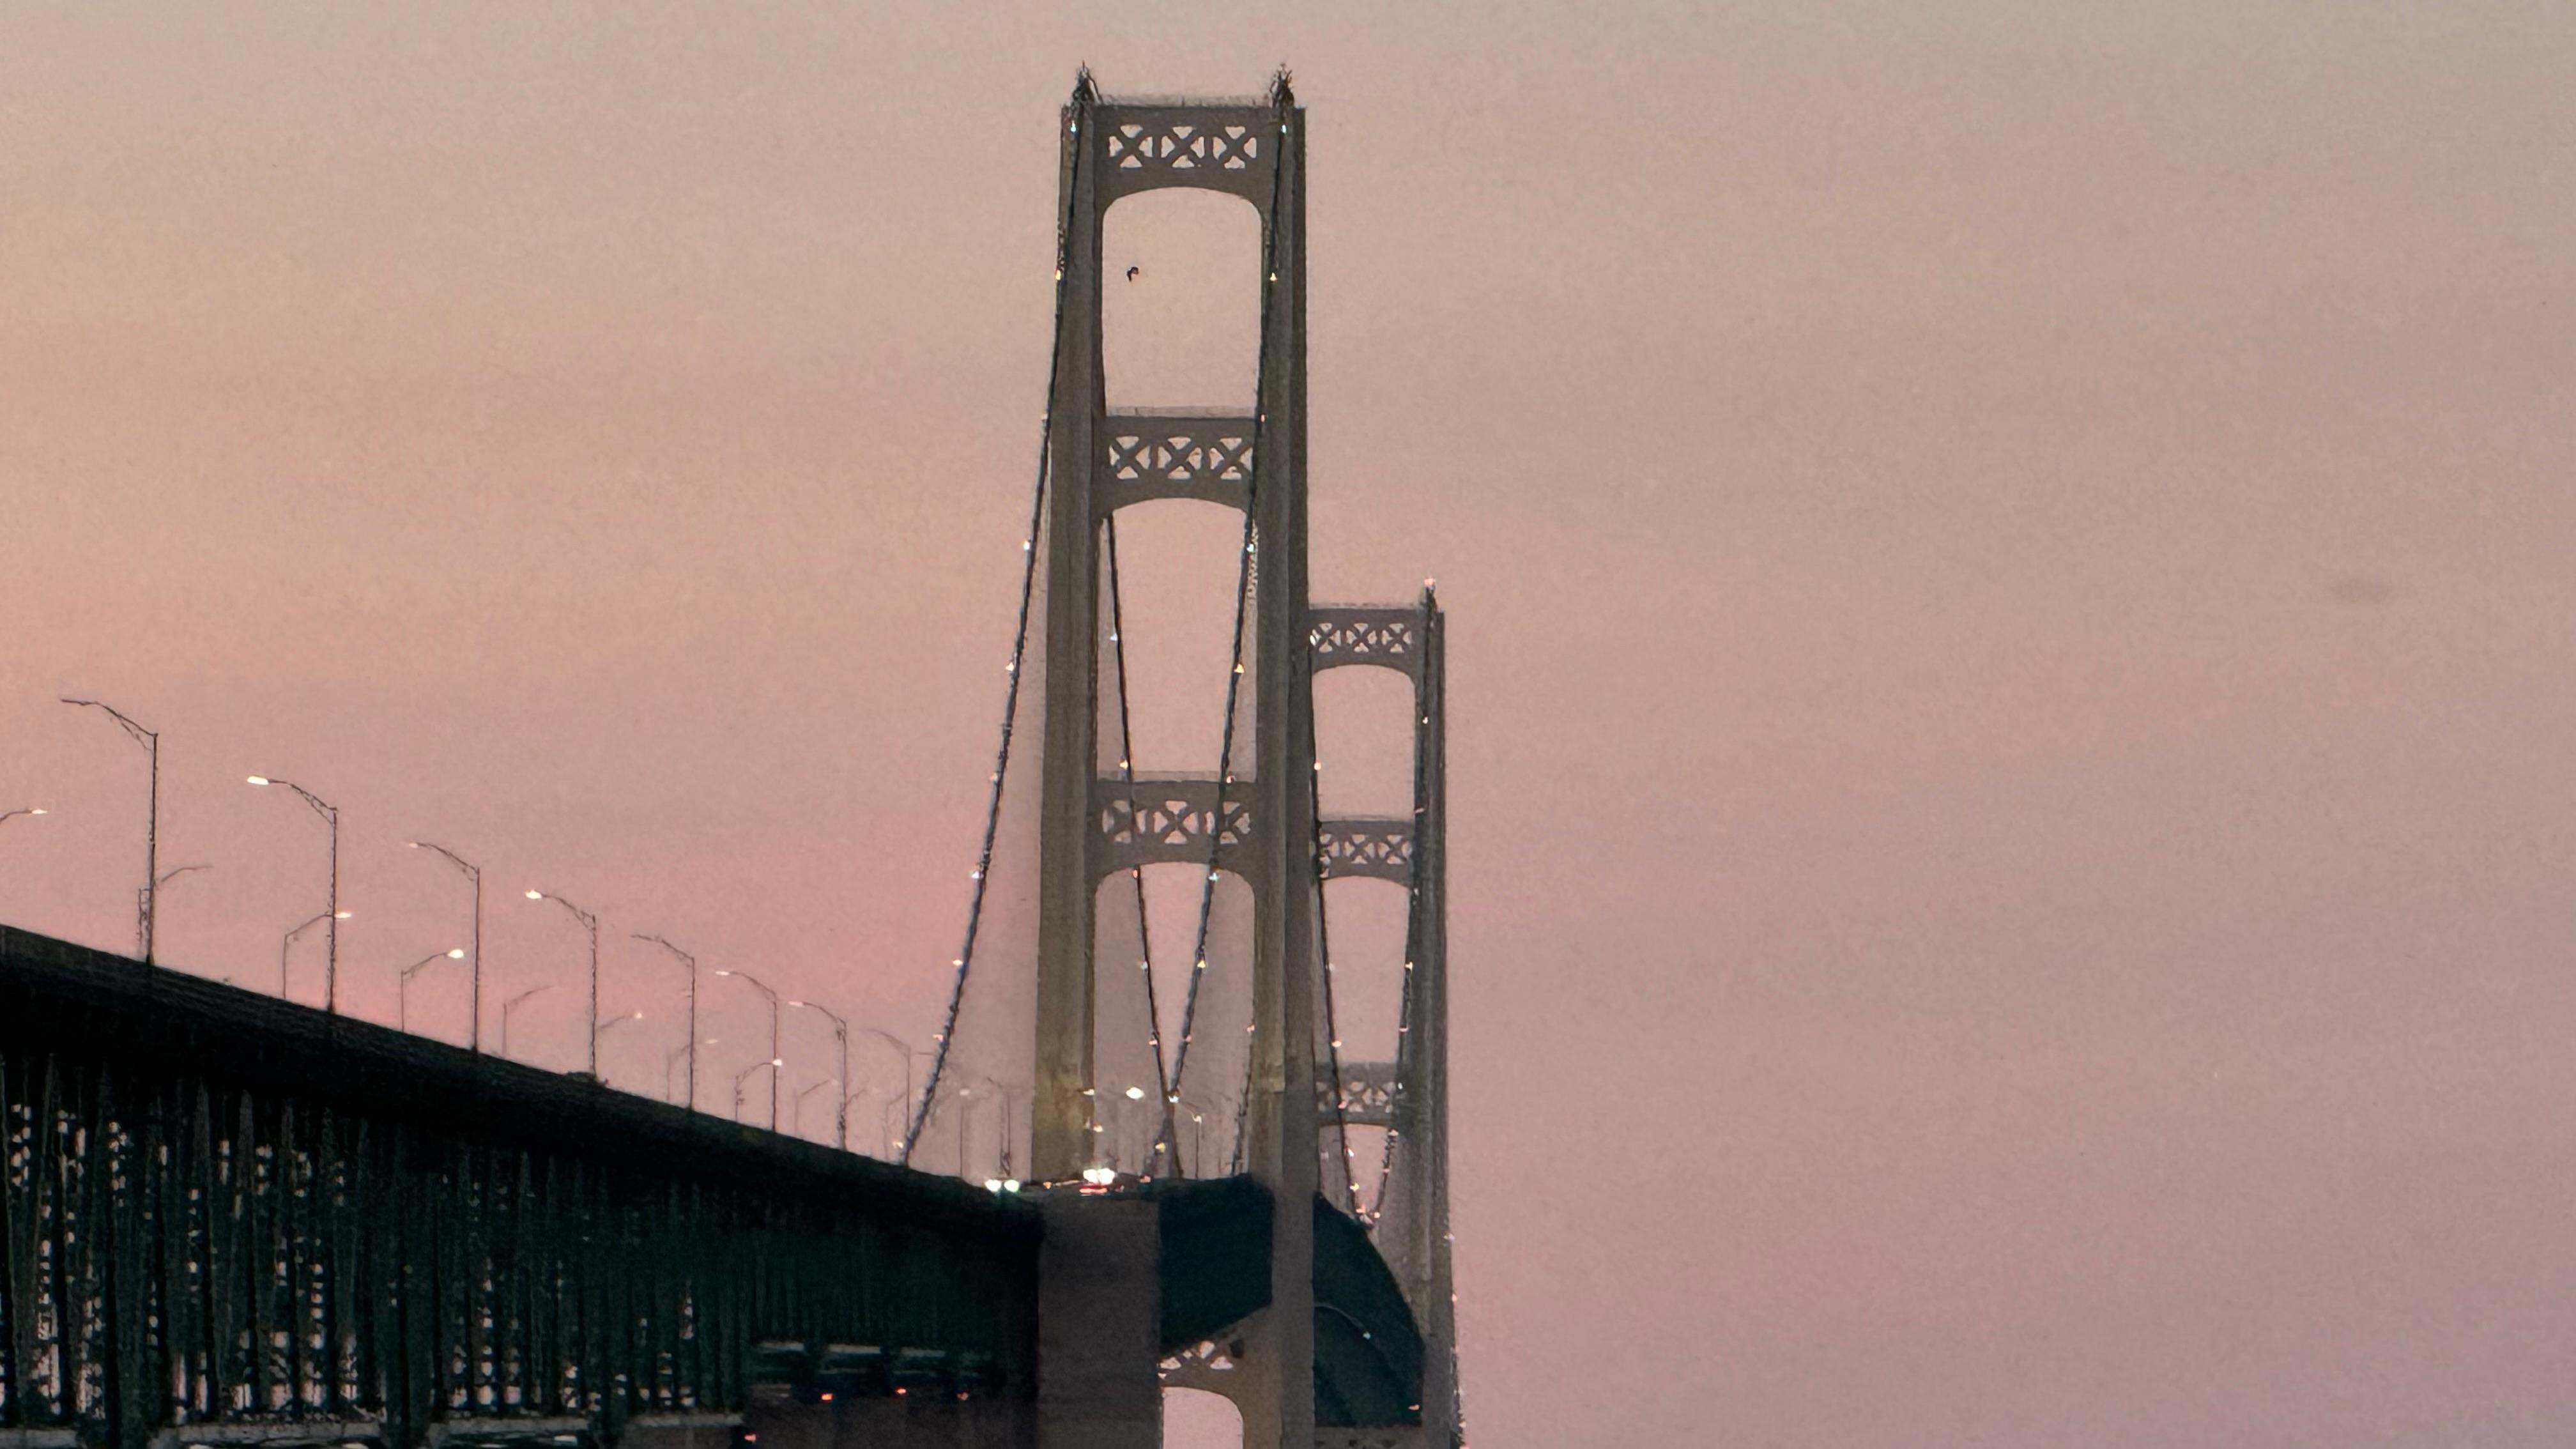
x=1099, y=1325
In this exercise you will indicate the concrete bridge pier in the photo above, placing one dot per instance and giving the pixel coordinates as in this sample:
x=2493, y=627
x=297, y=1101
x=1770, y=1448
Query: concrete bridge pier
x=1099, y=1325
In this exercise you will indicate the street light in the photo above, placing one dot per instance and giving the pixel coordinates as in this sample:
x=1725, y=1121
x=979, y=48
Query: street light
x=331, y=911
x=848, y=1098
x=905, y=1047
x=402, y=984
x=744, y=1075
x=691, y=1045
x=1198, y=1133
x=151, y=743
x=288, y=940
x=754, y=983
x=474, y=873
x=512, y=1005
x=143, y=905
x=1003, y=1090
x=798, y=1116
x=602, y=1030
x=589, y=923
x=671, y=1061
x=841, y=1034
x=8, y=815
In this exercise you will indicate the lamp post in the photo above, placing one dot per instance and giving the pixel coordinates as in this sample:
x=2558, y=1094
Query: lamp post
x=143, y=905
x=744, y=1075
x=589, y=923
x=691, y=1045
x=512, y=1005
x=474, y=873
x=288, y=940
x=798, y=1115
x=331, y=910
x=151, y=742
x=1198, y=1111
x=402, y=983
x=602, y=1030
x=754, y=983
x=671, y=1063
x=1003, y=1091
x=840, y=1034
x=8, y=815
x=905, y=1047
x=850, y=1097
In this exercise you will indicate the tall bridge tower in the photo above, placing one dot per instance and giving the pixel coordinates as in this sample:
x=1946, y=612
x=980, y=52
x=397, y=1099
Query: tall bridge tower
x=1256, y=816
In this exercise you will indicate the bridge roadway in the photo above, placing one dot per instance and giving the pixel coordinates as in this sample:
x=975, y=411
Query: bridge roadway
x=228, y=1219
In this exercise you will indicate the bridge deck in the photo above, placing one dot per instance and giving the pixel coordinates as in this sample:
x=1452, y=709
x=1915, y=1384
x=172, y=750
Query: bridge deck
x=219, y=1208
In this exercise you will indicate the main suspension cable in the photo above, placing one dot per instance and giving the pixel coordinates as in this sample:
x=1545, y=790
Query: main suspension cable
x=965, y=962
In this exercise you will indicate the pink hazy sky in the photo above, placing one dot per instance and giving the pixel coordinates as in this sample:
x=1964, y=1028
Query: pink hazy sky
x=2009, y=569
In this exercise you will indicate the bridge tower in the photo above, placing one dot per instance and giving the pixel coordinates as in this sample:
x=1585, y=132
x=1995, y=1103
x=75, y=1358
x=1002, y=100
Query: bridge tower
x=1259, y=823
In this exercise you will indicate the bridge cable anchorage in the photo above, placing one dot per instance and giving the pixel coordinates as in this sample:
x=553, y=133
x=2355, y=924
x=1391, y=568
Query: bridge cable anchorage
x=1163, y=1088
x=1405, y=1052
x=1244, y=576
x=965, y=964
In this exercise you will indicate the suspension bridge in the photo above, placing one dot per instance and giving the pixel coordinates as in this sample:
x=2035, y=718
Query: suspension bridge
x=226, y=1219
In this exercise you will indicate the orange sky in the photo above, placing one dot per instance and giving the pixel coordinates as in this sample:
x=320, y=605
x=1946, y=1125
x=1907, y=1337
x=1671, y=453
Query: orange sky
x=2008, y=569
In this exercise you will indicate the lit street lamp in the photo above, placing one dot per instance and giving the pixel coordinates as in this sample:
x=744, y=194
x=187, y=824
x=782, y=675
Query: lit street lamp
x=402, y=984
x=512, y=1005
x=1198, y=1111
x=754, y=984
x=691, y=1045
x=671, y=1063
x=840, y=1034
x=8, y=815
x=589, y=923
x=151, y=743
x=287, y=941
x=331, y=910
x=474, y=873
x=744, y=1075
